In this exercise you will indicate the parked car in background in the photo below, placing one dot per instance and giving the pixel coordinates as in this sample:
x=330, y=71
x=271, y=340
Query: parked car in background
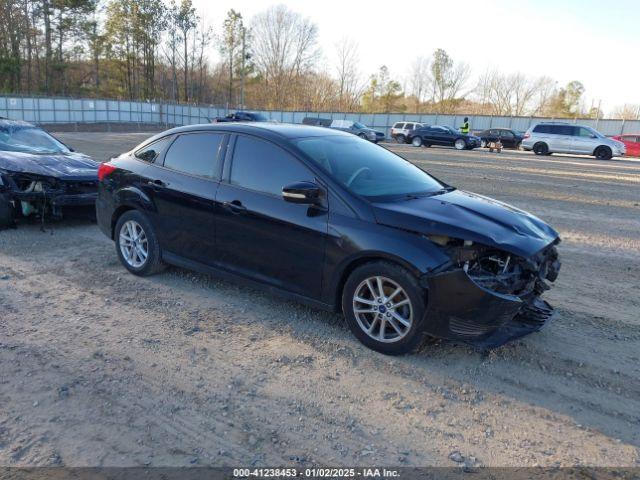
x=444, y=136
x=241, y=116
x=546, y=138
x=40, y=175
x=317, y=121
x=631, y=142
x=509, y=138
x=335, y=222
x=358, y=129
x=401, y=131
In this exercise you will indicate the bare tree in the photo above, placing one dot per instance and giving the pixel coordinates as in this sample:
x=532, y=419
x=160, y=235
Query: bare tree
x=285, y=47
x=350, y=85
x=627, y=112
x=419, y=80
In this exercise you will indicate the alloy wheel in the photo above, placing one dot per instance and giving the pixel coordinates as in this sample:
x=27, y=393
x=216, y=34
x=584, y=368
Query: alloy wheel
x=134, y=245
x=383, y=309
x=460, y=144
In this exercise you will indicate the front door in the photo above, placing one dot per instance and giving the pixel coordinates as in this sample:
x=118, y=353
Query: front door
x=583, y=141
x=258, y=233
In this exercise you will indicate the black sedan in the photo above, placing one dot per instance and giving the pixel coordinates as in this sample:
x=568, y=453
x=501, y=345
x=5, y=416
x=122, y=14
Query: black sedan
x=509, y=138
x=334, y=221
x=39, y=175
x=444, y=136
x=241, y=116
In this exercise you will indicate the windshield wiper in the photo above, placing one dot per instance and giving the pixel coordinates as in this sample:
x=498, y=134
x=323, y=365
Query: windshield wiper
x=415, y=196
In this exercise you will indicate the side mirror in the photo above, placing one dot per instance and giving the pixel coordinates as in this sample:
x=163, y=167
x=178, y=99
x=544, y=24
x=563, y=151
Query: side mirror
x=306, y=193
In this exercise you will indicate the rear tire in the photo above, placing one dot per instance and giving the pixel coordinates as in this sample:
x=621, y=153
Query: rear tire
x=401, y=139
x=416, y=141
x=135, y=235
x=603, y=153
x=518, y=146
x=388, y=334
x=541, y=148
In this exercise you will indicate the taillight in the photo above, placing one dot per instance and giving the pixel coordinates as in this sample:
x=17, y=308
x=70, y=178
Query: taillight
x=526, y=135
x=104, y=170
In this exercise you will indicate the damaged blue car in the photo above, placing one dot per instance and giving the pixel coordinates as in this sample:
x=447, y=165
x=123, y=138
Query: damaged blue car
x=39, y=175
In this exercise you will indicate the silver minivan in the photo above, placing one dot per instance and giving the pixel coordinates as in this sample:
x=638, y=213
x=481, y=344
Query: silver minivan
x=556, y=137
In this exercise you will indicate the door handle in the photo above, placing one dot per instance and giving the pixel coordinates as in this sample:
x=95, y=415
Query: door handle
x=234, y=207
x=157, y=183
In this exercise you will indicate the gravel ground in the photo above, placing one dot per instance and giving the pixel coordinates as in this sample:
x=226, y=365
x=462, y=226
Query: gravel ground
x=100, y=368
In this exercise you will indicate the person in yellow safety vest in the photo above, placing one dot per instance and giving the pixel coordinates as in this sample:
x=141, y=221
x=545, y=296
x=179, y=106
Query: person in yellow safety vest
x=465, y=126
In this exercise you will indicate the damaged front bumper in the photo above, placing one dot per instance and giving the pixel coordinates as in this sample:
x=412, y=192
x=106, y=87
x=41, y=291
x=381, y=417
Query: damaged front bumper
x=487, y=297
x=23, y=194
x=461, y=309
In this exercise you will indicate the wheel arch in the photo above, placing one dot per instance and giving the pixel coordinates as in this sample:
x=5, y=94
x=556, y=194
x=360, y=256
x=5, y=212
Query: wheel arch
x=129, y=198
x=602, y=145
x=363, y=258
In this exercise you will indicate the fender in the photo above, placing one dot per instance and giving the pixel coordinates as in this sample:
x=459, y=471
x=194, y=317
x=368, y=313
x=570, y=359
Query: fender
x=410, y=250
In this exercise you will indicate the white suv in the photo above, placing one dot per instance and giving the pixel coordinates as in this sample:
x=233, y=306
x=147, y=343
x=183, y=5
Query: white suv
x=556, y=137
x=401, y=131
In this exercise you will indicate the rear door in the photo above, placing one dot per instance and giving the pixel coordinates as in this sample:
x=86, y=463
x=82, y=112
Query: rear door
x=259, y=234
x=507, y=138
x=182, y=186
x=561, y=138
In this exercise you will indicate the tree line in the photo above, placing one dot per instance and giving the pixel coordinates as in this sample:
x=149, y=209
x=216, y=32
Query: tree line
x=160, y=50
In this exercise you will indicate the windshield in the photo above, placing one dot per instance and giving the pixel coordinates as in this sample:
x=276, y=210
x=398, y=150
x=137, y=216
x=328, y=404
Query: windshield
x=30, y=140
x=367, y=169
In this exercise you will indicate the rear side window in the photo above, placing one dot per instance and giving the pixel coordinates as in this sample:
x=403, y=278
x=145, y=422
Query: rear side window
x=555, y=129
x=264, y=167
x=194, y=153
x=153, y=151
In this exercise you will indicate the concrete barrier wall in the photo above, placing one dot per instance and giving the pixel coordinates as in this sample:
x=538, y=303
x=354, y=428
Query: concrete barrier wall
x=85, y=110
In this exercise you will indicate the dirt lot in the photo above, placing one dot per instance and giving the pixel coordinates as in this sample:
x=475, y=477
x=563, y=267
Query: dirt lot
x=100, y=368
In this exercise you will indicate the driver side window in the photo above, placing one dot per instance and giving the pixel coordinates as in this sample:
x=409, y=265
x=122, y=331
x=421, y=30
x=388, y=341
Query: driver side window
x=264, y=167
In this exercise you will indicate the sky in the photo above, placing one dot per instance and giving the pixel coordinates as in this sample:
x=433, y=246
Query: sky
x=593, y=41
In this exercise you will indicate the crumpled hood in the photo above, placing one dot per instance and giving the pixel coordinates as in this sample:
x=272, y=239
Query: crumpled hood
x=63, y=166
x=469, y=216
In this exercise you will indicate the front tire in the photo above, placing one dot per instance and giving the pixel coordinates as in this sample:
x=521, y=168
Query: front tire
x=541, y=148
x=603, y=153
x=483, y=144
x=460, y=144
x=137, y=244
x=385, y=307
x=416, y=141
